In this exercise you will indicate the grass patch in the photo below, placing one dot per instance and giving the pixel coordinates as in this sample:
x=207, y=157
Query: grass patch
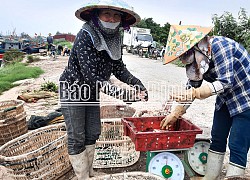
x=178, y=63
x=4, y=86
x=31, y=58
x=15, y=72
x=49, y=86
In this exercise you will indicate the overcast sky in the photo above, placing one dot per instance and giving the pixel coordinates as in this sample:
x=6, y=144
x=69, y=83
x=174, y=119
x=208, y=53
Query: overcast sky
x=45, y=16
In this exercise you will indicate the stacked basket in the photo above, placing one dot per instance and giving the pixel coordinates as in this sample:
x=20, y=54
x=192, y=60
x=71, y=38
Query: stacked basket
x=39, y=154
x=12, y=120
x=113, y=148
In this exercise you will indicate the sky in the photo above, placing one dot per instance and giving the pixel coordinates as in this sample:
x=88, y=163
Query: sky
x=49, y=16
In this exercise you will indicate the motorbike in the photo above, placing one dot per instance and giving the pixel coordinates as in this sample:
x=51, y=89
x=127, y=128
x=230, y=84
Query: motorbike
x=52, y=52
x=154, y=53
x=142, y=51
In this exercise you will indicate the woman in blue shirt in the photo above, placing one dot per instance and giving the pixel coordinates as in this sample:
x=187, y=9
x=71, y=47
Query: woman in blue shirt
x=225, y=65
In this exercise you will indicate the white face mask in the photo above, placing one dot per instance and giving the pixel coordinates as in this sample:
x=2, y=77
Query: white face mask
x=203, y=67
x=109, y=25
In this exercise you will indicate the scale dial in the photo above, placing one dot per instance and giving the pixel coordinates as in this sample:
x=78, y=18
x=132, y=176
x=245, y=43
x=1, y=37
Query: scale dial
x=167, y=165
x=197, y=156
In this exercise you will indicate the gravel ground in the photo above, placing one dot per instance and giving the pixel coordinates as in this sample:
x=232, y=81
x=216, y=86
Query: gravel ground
x=158, y=78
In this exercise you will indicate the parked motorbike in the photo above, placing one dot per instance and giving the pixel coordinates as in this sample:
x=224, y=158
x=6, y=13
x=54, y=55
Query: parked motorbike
x=142, y=51
x=154, y=53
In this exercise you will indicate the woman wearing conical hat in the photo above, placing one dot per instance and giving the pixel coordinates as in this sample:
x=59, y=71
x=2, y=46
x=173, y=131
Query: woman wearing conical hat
x=225, y=65
x=96, y=54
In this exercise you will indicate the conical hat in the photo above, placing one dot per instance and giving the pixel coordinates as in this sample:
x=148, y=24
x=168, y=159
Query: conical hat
x=131, y=17
x=182, y=38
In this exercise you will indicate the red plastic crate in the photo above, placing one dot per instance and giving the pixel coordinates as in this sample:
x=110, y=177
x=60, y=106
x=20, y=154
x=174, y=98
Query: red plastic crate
x=145, y=132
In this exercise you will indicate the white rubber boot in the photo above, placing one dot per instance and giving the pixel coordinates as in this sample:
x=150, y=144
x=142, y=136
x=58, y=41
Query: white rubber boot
x=91, y=152
x=235, y=169
x=80, y=165
x=214, y=165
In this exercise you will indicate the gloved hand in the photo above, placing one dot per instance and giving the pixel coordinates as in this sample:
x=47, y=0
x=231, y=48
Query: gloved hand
x=170, y=119
x=202, y=92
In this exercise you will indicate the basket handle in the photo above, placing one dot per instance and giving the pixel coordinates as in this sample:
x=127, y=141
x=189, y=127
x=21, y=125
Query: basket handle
x=9, y=109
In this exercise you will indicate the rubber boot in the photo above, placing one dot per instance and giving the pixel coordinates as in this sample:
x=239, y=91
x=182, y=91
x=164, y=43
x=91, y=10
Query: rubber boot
x=235, y=170
x=91, y=152
x=214, y=165
x=80, y=165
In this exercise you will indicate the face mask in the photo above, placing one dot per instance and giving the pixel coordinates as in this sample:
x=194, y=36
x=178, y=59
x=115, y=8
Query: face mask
x=203, y=66
x=202, y=61
x=109, y=25
x=198, y=67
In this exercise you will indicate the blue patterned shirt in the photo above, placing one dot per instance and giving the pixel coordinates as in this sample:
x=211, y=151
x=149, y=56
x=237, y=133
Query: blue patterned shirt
x=230, y=66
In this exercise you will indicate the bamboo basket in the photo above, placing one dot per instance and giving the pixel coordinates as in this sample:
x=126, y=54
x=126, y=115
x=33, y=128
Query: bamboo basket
x=113, y=148
x=243, y=177
x=116, y=111
x=129, y=176
x=38, y=154
x=12, y=120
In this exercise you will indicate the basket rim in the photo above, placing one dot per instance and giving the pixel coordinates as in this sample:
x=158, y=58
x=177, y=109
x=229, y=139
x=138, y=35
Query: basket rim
x=18, y=157
x=20, y=103
x=103, y=120
x=23, y=114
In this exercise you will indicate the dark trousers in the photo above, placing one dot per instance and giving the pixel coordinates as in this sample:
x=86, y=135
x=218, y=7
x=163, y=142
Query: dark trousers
x=83, y=126
x=237, y=128
x=49, y=46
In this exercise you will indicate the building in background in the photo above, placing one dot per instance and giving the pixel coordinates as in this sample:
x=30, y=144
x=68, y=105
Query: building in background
x=66, y=37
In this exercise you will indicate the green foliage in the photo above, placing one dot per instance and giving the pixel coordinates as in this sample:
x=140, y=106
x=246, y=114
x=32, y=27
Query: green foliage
x=4, y=86
x=237, y=29
x=14, y=72
x=160, y=34
x=49, y=86
x=13, y=56
x=32, y=58
x=63, y=43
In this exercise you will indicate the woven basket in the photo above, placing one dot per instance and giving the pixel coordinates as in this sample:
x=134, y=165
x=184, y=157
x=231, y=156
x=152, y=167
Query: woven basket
x=245, y=177
x=113, y=149
x=129, y=176
x=38, y=154
x=119, y=111
x=12, y=120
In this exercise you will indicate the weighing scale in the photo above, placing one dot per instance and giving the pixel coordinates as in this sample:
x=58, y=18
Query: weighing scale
x=172, y=164
x=167, y=165
x=196, y=156
x=166, y=149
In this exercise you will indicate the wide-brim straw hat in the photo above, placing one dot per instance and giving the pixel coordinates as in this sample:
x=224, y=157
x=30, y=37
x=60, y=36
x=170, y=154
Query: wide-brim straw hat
x=181, y=38
x=131, y=17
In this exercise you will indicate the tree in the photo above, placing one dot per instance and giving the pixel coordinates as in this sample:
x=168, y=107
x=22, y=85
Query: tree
x=160, y=34
x=25, y=35
x=237, y=29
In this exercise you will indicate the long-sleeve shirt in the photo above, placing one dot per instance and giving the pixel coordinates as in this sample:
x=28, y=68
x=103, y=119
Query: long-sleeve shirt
x=231, y=66
x=50, y=39
x=87, y=66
